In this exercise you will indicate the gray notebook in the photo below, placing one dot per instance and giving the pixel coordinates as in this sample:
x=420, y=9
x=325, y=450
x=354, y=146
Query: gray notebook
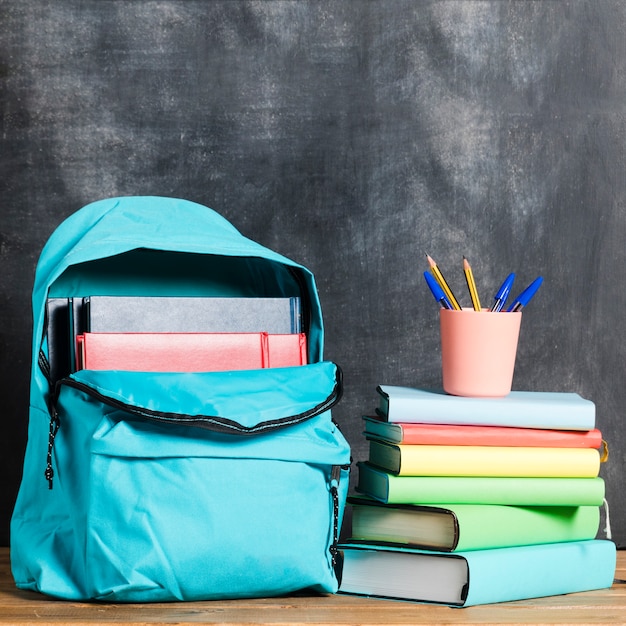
x=161, y=314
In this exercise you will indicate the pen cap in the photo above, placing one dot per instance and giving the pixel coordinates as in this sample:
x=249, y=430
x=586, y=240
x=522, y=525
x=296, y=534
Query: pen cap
x=478, y=351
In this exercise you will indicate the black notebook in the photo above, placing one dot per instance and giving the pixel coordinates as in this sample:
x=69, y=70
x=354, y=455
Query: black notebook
x=58, y=336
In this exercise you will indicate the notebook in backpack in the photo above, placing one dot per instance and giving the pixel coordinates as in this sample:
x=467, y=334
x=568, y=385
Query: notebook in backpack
x=158, y=486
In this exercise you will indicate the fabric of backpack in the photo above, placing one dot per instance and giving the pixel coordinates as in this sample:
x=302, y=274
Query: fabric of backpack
x=142, y=487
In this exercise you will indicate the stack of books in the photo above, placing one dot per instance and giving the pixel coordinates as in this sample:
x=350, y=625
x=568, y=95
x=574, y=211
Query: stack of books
x=172, y=333
x=468, y=501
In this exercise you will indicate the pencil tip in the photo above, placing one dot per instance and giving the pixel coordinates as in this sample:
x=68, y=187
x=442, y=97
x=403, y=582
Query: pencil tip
x=430, y=260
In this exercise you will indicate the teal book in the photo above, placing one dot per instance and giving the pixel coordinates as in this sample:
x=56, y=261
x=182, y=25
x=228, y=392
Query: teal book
x=524, y=491
x=474, y=577
x=522, y=409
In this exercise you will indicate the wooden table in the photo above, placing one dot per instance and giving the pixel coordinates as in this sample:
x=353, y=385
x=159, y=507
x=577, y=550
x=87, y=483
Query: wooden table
x=594, y=607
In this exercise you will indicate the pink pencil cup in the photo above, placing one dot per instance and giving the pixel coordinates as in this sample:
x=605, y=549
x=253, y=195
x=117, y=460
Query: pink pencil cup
x=478, y=350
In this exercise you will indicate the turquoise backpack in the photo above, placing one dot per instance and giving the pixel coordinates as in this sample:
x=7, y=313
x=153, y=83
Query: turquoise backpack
x=143, y=487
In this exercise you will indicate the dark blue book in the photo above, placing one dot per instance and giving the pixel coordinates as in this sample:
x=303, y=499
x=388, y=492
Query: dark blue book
x=58, y=339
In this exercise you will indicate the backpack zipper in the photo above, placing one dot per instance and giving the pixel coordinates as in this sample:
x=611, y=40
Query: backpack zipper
x=54, y=429
x=335, y=477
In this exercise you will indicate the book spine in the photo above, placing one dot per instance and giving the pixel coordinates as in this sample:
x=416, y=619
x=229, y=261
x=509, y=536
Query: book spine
x=296, y=323
x=77, y=327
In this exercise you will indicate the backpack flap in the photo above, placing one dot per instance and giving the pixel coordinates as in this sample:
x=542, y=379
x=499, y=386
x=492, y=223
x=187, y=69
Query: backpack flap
x=198, y=486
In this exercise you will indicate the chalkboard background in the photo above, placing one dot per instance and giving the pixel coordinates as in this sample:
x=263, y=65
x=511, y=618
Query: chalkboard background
x=353, y=137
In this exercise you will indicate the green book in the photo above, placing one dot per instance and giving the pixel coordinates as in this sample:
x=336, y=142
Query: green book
x=454, y=527
x=533, y=491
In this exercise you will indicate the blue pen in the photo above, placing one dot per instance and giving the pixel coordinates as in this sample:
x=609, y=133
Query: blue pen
x=437, y=291
x=503, y=293
x=524, y=298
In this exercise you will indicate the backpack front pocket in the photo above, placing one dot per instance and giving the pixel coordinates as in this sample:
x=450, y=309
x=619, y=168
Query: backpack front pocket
x=182, y=494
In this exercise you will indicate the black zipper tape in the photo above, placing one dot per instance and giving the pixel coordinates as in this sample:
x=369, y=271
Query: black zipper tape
x=335, y=477
x=54, y=429
x=209, y=422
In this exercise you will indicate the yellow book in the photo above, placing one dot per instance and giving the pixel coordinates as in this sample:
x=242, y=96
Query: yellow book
x=437, y=460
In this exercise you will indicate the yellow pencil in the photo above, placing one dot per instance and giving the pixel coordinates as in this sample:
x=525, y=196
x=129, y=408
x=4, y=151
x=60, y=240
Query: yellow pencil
x=471, y=285
x=442, y=282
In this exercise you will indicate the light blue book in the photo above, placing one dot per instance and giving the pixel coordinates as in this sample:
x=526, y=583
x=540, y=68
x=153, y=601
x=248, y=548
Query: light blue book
x=524, y=409
x=477, y=576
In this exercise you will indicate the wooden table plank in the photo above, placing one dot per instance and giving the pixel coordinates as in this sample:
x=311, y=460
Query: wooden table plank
x=607, y=606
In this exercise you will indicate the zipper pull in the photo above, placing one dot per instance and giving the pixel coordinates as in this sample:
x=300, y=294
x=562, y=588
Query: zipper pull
x=335, y=475
x=54, y=428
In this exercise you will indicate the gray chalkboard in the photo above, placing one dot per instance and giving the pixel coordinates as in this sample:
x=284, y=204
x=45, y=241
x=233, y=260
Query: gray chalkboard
x=353, y=137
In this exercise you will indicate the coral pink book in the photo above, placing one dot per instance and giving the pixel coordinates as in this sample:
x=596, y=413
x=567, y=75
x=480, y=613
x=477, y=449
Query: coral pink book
x=189, y=352
x=469, y=435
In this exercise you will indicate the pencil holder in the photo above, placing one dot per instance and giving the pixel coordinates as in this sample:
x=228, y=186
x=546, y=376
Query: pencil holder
x=478, y=351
